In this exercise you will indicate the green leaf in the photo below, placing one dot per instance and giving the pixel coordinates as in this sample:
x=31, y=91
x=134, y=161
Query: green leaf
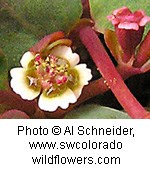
x=49, y=15
x=94, y=111
x=24, y=22
x=100, y=9
x=14, y=44
x=3, y=70
x=14, y=39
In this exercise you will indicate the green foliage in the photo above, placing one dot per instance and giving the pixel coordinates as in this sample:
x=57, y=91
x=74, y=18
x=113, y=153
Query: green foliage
x=94, y=111
x=48, y=15
x=14, y=45
x=3, y=70
x=101, y=9
x=24, y=22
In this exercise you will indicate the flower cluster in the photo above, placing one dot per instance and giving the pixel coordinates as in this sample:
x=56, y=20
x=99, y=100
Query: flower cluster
x=123, y=18
x=123, y=43
x=55, y=77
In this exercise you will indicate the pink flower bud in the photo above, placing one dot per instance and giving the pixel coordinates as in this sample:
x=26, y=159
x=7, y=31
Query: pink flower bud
x=129, y=28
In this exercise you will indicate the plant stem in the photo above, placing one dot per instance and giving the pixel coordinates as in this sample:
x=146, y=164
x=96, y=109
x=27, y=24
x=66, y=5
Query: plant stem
x=95, y=88
x=110, y=74
x=86, y=9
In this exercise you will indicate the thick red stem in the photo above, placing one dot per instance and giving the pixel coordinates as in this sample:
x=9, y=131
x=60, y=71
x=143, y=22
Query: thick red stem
x=109, y=72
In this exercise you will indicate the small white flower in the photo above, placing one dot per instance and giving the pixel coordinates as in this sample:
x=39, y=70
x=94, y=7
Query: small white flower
x=55, y=78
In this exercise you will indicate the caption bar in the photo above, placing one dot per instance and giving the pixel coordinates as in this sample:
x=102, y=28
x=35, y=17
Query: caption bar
x=78, y=143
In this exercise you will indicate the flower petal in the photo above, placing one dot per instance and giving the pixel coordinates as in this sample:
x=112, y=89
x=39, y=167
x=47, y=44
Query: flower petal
x=128, y=26
x=17, y=72
x=66, y=53
x=144, y=20
x=112, y=18
x=122, y=11
x=78, y=90
x=52, y=103
x=19, y=85
x=26, y=58
x=84, y=74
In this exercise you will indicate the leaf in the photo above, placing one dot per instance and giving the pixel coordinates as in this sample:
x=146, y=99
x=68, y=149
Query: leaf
x=3, y=70
x=113, y=44
x=14, y=40
x=22, y=22
x=14, y=114
x=100, y=9
x=44, y=42
x=15, y=44
x=50, y=15
x=93, y=111
x=143, y=53
x=10, y=100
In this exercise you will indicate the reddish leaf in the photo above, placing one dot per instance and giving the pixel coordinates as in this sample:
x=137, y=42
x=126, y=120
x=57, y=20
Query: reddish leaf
x=14, y=114
x=44, y=42
x=113, y=44
x=143, y=52
x=13, y=101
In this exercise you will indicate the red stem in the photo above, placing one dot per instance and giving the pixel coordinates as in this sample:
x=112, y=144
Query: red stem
x=86, y=9
x=110, y=74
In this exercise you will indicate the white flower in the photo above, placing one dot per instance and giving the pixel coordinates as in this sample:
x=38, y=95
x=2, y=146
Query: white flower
x=55, y=78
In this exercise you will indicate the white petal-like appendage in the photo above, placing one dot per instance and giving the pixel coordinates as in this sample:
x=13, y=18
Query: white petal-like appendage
x=84, y=74
x=66, y=53
x=78, y=90
x=128, y=26
x=17, y=72
x=51, y=104
x=26, y=58
x=74, y=59
x=19, y=85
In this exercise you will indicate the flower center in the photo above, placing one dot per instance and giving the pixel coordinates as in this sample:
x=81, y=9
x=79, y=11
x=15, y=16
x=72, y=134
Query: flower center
x=53, y=74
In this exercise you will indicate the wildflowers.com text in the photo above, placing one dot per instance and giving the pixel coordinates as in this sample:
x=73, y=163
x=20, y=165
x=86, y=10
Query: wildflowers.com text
x=57, y=159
